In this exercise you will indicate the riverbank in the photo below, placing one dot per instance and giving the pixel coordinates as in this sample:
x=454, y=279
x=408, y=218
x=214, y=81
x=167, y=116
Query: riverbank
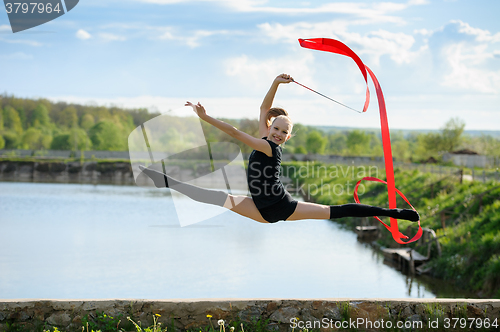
x=272, y=314
x=464, y=216
x=66, y=171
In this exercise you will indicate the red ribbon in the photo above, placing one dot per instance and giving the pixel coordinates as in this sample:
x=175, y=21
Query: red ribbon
x=335, y=46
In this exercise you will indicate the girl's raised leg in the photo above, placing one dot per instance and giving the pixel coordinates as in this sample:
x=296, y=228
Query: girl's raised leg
x=306, y=210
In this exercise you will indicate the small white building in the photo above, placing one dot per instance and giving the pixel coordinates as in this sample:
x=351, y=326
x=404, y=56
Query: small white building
x=470, y=159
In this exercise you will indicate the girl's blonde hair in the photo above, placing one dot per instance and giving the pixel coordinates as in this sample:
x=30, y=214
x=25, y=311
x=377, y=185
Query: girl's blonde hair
x=273, y=113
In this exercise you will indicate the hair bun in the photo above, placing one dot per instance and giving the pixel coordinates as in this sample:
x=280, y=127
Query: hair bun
x=273, y=113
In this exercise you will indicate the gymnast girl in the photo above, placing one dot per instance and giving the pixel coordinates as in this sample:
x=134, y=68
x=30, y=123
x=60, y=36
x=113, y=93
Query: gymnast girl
x=269, y=201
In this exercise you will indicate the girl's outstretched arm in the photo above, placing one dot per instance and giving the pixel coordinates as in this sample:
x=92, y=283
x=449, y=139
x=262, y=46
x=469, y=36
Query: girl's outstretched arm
x=254, y=143
x=267, y=103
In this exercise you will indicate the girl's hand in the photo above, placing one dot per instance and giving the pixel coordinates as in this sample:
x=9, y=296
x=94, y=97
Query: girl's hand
x=283, y=78
x=198, y=109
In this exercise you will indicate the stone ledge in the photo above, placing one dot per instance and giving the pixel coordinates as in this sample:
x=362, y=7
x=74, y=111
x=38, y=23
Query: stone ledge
x=67, y=315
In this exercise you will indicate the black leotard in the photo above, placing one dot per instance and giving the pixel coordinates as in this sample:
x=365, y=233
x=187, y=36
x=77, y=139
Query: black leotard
x=269, y=195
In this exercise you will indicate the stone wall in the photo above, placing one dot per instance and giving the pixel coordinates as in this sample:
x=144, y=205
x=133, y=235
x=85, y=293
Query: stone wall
x=66, y=172
x=278, y=315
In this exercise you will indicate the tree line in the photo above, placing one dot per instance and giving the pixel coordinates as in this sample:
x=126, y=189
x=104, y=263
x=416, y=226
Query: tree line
x=41, y=124
x=410, y=147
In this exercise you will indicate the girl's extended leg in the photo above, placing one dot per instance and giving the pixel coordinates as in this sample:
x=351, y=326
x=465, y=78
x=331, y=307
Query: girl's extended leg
x=161, y=180
x=242, y=205
x=306, y=210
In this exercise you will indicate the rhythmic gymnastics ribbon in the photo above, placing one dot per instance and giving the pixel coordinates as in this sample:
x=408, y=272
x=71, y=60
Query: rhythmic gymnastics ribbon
x=337, y=47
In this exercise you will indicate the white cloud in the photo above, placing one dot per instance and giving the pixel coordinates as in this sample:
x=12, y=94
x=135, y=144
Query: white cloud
x=464, y=57
x=465, y=72
x=289, y=33
x=17, y=56
x=21, y=41
x=251, y=71
x=423, y=32
x=375, y=44
x=129, y=31
x=377, y=11
x=479, y=34
x=191, y=39
x=418, y=2
x=111, y=37
x=83, y=35
x=5, y=27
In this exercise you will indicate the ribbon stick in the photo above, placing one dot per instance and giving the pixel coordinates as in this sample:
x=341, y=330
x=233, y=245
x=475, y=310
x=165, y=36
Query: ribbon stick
x=322, y=95
x=337, y=47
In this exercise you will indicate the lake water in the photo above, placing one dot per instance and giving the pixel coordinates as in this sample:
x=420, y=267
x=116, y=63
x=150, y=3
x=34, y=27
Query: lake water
x=67, y=241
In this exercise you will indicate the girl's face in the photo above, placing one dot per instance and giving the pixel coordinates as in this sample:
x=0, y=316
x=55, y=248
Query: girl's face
x=280, y=130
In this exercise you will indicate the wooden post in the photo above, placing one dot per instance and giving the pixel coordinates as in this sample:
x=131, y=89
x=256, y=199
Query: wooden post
x=412, y=263
x=434, y=236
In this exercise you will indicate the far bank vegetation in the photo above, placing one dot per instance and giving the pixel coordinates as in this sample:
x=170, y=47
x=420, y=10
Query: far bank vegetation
x=39, y=124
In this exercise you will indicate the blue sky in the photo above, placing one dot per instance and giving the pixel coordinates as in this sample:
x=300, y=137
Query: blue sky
x=435, y=59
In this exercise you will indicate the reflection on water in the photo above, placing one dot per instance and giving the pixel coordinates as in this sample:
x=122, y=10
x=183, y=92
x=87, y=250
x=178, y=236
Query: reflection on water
x=83, y=241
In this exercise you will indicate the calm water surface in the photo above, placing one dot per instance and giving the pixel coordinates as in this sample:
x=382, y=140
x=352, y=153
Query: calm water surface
x=66, y=241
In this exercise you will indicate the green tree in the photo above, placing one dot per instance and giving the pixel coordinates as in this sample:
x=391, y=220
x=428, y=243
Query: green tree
x=2, y=143
x=299, y=136
x=1, y=119
x=40, y=116
x=106, y=135
x=79, y=140
x=300, y=150
x=22, y=116
x=316, y=142
x=401, y=150
x=36, y=139
x=427, y=145
x=102, y=113
x=142, y=115
x=376, y=148
x=87, y=121
x=12, y=139
x=61, y=142
x=68, y=117
x=337, y=143
x=451, y=134
x=12, y=120
x=358, y=142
